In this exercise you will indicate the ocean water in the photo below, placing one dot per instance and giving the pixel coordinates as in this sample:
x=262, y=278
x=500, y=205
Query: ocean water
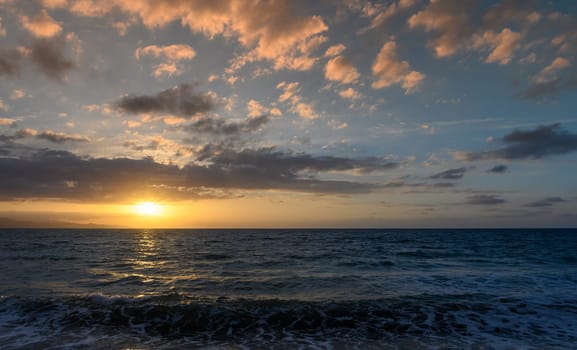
x=288, y=289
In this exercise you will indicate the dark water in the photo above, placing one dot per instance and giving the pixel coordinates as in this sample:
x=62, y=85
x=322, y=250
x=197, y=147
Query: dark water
x=288, y=289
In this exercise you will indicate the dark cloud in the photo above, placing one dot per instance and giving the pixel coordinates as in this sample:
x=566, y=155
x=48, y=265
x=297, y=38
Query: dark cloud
x=543, y=141
x=61, y=174
x=181, y=101
x=498, y=169
x=10, y=62
x=547, y=202
x=443, y=185
x=152, y=145
x=485, y=199
x=548, y=88
x=278, y=163
x=417, y=187
x=451, y=174
x=49, y=58
x=218, y=126
x=58, y=137
x=47, y=135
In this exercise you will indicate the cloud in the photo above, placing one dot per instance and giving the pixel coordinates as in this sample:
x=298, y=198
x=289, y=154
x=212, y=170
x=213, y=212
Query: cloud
x=48, y=57
x=381, y=14
x=484, y=199
x=543, y=141
x=47, y=135
x=171, y=56
x=547, y=202
x=158, y=143
x=502, y=45
x=335, y=50
x=10, y=62
x=350, y=94
x=168, y=69
x=173, y=53
x=498, y=169
x=508, y=11
x=388, y=70
x=275, y=30
x=2, y=29
x=548, y=88
x=180, y=101
x=7, y=121
x=17, y=94
x=54, y=3
x=451, y=174
x=340, y=69
x=305, y=110
x=218, y=126
x=548, y=72
x=299, y=63
x=290, y=91
x=61, y=174
x=548, y=82
x=59, y=137
x=450, y=19
x=566, y=42
x=279, y=164
x=255, y=109
x=42, y=26
x=291, y=95
x=529, y=59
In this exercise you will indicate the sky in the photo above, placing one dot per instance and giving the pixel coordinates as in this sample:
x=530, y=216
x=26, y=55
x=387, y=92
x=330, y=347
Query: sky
x=282, y=113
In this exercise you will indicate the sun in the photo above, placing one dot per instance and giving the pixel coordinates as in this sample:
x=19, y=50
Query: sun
x=148, y=209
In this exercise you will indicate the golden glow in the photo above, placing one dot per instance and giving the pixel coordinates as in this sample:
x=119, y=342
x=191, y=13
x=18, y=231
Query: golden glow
x=281, y=210
x=148, y=209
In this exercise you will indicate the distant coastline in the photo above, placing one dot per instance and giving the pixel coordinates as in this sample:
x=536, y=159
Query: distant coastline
x=6, y=223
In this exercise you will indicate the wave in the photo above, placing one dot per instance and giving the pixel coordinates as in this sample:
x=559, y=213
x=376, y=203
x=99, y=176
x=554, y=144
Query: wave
x=468, y=319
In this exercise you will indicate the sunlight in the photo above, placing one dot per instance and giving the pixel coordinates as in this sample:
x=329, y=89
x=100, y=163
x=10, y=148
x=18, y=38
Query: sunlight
x=148, y=209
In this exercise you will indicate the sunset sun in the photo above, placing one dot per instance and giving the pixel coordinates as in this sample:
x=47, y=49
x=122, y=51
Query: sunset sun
x=148, y=209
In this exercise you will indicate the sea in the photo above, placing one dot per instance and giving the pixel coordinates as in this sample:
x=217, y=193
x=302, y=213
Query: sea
x=288, y=289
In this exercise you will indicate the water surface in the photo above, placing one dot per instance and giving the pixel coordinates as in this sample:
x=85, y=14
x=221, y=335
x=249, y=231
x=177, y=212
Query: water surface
x=326, y=289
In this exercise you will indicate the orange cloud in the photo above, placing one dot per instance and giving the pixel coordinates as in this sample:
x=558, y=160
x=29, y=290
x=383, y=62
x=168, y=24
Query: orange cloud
x=7, y=121
x=335, y=50
x=548, y=73
x=502, y=45
x=291, y=96
x=350, y=94
x=382, y=14
x=179, y=52
x=271, y=30
x=171, y=54
x=2, y=29
x=340, y=69
x=389, y=70
x=290, y=91
x=304, y=110
x=255, y=109
x=54, y=3
x=41, y=26
x=450, y=19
